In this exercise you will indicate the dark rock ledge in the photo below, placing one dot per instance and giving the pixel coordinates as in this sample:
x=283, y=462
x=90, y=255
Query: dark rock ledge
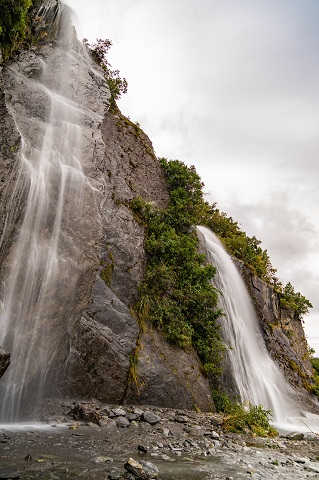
x=4, y=361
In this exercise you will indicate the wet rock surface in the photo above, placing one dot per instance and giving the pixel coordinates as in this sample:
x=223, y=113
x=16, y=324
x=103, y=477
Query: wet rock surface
x=4, y=361
x=86, y=440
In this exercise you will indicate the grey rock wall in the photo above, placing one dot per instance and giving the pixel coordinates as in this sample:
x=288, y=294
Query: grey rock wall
x=108, y=335
x=167, y=376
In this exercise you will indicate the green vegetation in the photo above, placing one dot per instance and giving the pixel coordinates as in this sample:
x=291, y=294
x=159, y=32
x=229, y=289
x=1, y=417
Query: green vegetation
x=133, y=376
x=315, y=367
x=294, y=300
x=21, y=24
x=13, y=24
x=117, y=85
x=240, y=245
x=177, y=296
x=241, y=418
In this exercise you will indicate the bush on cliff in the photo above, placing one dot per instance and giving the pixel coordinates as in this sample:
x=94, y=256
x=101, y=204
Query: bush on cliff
x=13, y=24
x=116, y=84
x=176, y=295
x=22, y=22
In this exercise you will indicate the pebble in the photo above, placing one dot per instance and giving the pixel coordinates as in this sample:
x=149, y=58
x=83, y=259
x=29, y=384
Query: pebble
x=138, y=411
x=122, y=422
x=181, y=419
x=142, y=470
x=296, y=436
x=150, y=469
x=151, y=418
x=102, y=459
x=117, y=412
x=167, y=458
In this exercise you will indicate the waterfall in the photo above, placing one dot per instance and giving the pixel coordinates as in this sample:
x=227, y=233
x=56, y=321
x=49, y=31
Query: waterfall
x=258, y=378
x=45, y=95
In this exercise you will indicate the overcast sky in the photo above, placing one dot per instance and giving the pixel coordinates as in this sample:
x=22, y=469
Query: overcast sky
x=232, y=87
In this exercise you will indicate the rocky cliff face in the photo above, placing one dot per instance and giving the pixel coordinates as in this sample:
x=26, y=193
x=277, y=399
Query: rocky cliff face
x=94, y=335
x=98, y=349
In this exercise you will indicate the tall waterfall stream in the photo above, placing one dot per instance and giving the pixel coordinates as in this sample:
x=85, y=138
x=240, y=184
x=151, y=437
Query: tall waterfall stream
x=46, y=100
x=257, y=376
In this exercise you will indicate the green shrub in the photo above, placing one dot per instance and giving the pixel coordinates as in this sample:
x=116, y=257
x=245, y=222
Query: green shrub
x=241, y=418
x=13, y=24
x=116, y=84
x=294, y=300
x=314, y=387
x=176, y=295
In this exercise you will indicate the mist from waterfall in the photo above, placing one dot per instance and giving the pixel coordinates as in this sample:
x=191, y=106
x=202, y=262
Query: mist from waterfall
x=42, y=267
x=257, y=377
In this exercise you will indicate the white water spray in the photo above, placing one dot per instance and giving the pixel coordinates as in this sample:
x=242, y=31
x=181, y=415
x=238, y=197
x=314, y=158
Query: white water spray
x=257, y=376
x=42, y=268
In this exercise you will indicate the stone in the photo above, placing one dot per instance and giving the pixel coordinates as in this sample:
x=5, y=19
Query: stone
x=118, y=412
x=111, y=424
x=102, y=422
x=150, y=469
x=122, y=422
x=102, y=459
x=142, y=449
x=133, y=416
x=127, y=476
x=151, y=418
x=85, y=412
x=313, y=467
x=181, y=418
x=114, y=476
x=295, y=436
x=166, y=458
x=139, y=470
x=216, y=421
x=138, y=411
x=105, y=410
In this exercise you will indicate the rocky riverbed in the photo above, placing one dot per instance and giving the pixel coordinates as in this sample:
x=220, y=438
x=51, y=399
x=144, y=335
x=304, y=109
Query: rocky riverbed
x=93, y=441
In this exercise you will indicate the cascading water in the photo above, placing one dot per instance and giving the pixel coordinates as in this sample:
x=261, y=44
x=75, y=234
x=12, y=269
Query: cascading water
x=43, y=266
x=258, y=379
